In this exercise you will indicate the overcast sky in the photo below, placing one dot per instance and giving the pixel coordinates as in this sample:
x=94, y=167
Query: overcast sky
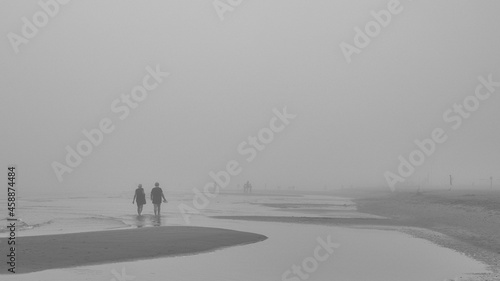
x=352, y=121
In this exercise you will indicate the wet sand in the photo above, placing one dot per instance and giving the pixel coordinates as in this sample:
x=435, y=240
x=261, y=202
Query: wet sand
x=471, y=217
x=466, y=221
x=36, y=253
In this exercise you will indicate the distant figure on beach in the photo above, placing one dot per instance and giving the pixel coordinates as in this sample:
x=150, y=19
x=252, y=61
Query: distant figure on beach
x=140, y=198
x=156, y=196
x=247, y=187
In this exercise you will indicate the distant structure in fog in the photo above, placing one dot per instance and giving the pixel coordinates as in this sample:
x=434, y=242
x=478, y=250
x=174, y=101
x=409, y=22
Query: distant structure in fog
x=247, y=187
x=451, y=182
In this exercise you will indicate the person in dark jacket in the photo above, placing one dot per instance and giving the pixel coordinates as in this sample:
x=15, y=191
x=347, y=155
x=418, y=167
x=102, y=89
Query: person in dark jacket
x=156, y=196
x=140, y=198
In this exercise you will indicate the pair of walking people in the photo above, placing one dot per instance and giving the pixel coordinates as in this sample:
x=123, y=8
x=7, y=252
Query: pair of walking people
x=156, y=198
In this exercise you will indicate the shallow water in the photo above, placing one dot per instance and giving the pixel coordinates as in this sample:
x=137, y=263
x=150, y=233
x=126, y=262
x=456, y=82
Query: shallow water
x=363, y=254
x=49, y=215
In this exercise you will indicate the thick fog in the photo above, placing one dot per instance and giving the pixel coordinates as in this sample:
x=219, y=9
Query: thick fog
x=325, y=111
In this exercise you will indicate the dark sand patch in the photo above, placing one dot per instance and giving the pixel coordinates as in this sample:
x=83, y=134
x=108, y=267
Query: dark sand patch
x=299, y=205
x=315, y=220
x=36, y=253
x=260, y=193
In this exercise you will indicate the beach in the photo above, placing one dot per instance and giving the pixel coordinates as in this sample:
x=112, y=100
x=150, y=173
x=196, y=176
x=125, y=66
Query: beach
x=258, y=236
x=467, y=221
x=471, y=217
x=231, y=140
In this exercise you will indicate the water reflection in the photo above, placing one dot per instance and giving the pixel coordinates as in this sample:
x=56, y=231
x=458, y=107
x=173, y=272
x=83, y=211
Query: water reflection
x=146, y=221
x=156, y=220
x=140, y=221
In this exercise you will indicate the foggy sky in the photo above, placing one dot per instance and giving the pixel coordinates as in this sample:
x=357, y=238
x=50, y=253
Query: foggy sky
x=226, y=77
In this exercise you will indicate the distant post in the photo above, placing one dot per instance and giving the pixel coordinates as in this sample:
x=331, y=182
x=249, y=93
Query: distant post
x=451, y=181
x=491, y=182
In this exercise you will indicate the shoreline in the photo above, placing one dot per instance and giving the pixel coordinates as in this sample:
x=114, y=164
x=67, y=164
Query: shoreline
x=465, y=221
x=431, y=235
x=37, y=253
x=471, y=218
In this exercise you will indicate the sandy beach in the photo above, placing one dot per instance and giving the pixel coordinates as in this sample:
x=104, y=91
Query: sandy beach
x=231, y=140
x=44, y=252
x=472, y=217
x=467, y=221
x=272, y=231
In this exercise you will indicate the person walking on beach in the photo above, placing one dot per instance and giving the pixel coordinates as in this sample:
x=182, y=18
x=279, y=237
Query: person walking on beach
x=156, y=196
x=140, y=198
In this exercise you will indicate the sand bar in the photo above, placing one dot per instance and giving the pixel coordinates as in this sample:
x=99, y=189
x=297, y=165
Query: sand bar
x=36, y=253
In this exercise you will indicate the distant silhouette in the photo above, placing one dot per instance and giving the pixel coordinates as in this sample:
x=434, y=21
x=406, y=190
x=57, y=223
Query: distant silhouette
x=140, y=197
x=156, y=196
x=247, y=187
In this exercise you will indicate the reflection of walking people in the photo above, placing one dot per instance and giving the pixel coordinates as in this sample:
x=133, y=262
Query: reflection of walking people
x=140, y=198
x=156, y=196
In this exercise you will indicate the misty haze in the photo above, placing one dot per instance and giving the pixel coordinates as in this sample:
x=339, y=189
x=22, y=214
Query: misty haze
x=250, y=140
